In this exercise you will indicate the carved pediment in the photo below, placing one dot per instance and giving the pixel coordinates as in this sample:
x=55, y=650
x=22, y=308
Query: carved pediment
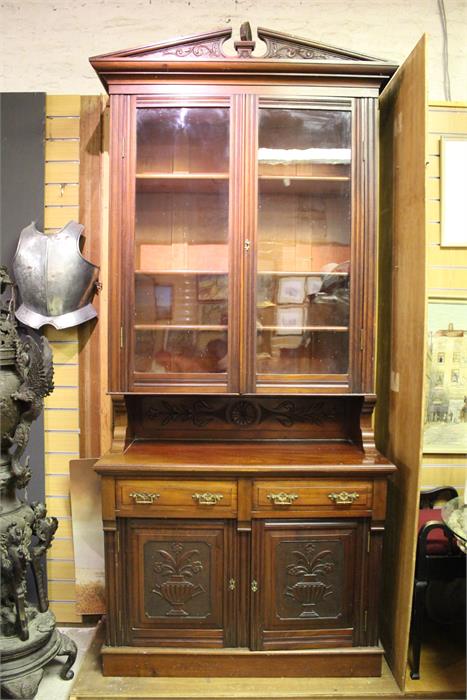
x=202, y=47
x=210, y=47
x=287, y=47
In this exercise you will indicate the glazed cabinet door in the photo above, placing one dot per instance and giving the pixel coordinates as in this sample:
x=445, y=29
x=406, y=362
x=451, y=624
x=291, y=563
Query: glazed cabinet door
x=181, y=583
x=181, y=293
x=307, y=584
x=304, y=243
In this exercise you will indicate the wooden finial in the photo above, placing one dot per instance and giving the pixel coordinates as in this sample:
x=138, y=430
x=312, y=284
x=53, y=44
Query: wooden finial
x=245, y=46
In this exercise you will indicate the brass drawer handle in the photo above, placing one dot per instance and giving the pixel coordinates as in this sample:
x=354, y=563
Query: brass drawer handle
x=232, y=584
x=344, y=497
x=207, y=498
x=144, y=498
x=282, y=499
x=254, y=586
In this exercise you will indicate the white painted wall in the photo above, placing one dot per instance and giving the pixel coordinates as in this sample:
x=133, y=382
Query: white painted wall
x=45, y=44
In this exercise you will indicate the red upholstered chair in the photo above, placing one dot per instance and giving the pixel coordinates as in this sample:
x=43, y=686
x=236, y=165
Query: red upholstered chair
x=438, y=559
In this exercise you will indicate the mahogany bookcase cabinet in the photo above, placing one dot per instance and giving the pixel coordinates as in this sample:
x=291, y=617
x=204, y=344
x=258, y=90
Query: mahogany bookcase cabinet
x=243, y=498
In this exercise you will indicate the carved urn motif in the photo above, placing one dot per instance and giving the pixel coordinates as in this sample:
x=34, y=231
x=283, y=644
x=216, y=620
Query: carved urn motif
x=310, y=590
x=178, y=590
x=28, y=638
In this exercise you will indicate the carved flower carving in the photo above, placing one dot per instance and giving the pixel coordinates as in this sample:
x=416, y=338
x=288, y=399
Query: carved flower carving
x=243, y=413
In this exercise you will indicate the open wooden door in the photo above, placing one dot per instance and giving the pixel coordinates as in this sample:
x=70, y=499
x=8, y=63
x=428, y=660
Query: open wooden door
x=401, y=337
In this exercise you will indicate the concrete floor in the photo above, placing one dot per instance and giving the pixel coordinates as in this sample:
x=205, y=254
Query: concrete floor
x=52, y=687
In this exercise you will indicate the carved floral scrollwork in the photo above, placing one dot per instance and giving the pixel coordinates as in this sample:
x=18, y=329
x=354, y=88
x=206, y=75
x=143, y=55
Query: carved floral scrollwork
x=277, y=49
x=210, y=49
x=242, y=413
x=199, y=413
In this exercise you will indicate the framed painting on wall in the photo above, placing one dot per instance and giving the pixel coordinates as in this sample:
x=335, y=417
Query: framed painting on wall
x=453, y=151
x=445, y=421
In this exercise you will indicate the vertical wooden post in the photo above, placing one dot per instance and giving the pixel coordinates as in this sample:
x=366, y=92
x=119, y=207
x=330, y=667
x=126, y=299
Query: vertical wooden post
x=90, y=215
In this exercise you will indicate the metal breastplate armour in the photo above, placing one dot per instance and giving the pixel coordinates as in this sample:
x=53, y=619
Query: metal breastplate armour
x=55, y=282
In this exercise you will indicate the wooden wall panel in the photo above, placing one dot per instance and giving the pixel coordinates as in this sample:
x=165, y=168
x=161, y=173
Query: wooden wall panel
x=402, y=336
x=61, y=412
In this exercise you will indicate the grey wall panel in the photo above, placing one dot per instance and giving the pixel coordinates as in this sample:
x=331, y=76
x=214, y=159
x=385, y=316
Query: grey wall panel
x=22, y=201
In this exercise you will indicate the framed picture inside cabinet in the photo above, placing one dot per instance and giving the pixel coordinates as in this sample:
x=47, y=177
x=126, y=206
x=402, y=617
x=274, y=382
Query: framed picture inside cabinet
x=291, y=290
x=453, y=191
x=290, y=320
x=445, y=421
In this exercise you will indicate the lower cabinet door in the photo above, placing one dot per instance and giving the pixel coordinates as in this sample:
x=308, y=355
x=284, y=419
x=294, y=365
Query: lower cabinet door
x=307, y=584
x=179, y=580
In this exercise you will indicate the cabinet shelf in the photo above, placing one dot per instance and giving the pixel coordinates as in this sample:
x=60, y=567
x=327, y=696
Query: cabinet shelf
x=181, y=183
x=308, y=184
x=177, y=327
x=181, y=272
x=181, y=176
x=328, y=329
x=303, y=273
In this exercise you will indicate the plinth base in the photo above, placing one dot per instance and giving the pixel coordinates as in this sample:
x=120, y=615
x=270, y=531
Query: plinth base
x=238, y=663
x=23, y=662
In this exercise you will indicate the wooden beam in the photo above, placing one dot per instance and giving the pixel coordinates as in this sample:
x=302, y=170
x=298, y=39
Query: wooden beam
x=90, y=210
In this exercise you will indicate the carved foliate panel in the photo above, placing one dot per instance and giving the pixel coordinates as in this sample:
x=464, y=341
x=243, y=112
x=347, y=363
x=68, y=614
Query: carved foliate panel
x=308, y=578
x=317, y=417
x=177, y=579
x=178, y=573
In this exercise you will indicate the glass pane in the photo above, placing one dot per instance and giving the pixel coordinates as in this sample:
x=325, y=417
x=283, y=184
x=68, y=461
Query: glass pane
x=180, y=351
x=287, y=352
x=181, y=240
x=304, y=232
x=183, y=140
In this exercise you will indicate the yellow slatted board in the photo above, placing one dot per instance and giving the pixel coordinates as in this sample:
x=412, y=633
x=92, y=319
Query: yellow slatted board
x=57, y=217
x=65, y=611
x=448, y=276
x=62, y=398
x=62, y=172
x=66, y=352
x=57, y=463
x=65, y=527
x=59, y=506
x=61, y=150
x=62, y=195
x=62, y=128
x=66, y=375
x=60, y=570
x=68, y=418
x=446, y=271
x=57, y=485
x=61, y=415
x=62, y=106
x=62, y=590
x=62, y=548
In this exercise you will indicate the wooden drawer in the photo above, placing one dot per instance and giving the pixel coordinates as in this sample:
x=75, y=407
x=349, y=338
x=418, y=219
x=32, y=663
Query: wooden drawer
x=312, y=497
x=177, y=498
